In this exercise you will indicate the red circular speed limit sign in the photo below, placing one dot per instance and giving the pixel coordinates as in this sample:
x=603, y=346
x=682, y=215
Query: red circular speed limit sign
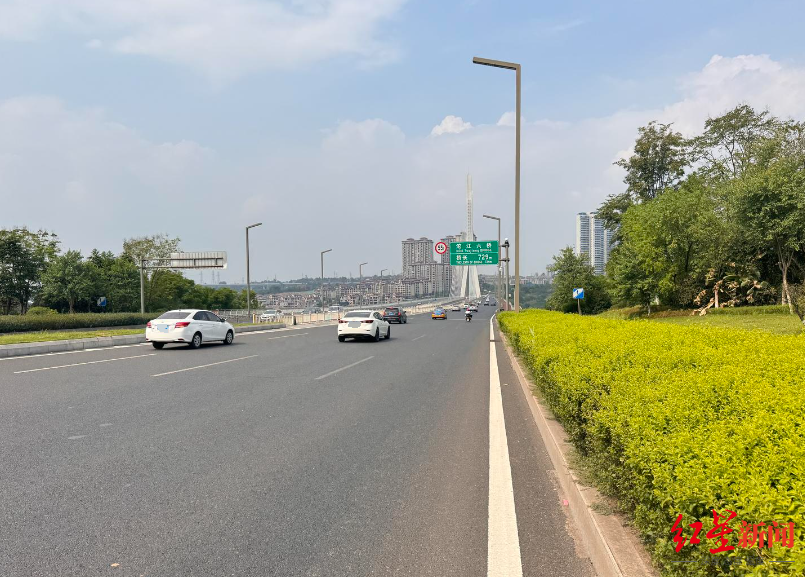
x=441, y=247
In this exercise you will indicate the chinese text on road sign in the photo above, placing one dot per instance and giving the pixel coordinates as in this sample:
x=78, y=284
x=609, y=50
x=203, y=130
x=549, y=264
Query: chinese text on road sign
x=474, y=252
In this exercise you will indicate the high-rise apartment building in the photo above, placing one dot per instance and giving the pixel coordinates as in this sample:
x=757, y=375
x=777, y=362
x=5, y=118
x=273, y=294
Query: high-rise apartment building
x=593, y=240
x=416, y=251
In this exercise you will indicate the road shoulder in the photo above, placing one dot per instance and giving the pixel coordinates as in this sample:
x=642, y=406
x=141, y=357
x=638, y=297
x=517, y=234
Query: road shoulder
x=613, y=548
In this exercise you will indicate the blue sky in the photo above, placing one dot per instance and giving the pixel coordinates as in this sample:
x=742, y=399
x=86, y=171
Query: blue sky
x=192, y=117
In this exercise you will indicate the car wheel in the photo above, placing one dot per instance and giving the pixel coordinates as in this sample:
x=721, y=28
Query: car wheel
x=341, y=339
x=377, y=335
x=158, y=345
x=388, y=333
x=196, y=342
x=230, y=336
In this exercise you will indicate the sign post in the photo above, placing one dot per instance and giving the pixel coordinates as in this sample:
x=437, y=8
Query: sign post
x=179, y=260
x=578, y=294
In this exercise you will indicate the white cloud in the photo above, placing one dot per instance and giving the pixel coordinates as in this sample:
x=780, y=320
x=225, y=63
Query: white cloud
x=221, y=38
x=370, y=134
x=450, y=125
x=365, y=187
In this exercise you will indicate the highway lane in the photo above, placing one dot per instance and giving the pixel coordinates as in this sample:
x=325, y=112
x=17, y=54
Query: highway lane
x=287, y=453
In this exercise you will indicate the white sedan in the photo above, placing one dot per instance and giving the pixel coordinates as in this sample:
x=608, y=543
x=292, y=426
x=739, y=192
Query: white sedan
x=190, y=326
x=363, y=325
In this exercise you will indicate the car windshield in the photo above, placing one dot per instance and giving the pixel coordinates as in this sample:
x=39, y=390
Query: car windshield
x=174, y=315
x=357, y=315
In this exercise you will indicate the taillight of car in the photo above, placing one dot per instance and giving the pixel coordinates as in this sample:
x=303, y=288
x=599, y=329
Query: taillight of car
x=148, y=324
x=368, y=321
x=182, y=324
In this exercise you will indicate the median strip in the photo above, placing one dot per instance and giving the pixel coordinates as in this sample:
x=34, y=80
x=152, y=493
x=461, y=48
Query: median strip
x=204, y=366
x=344, y=368
x=84, y=363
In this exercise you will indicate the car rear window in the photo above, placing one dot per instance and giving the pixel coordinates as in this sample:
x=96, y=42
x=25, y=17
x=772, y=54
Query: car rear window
x=392, y=310
x=173, y=315
x=356, y=315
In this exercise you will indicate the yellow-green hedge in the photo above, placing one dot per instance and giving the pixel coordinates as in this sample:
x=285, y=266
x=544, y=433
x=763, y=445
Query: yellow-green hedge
x=679, y=419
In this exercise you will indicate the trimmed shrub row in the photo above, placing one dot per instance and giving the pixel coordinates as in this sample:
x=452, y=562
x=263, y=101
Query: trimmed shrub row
x=675, y=419
x=51, y=322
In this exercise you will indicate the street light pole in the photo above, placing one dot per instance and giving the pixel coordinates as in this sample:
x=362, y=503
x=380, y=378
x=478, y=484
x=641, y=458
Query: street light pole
x=516, y=67
x=322, y=276
x=497, y=269
x=248, y=279
x=360, y=278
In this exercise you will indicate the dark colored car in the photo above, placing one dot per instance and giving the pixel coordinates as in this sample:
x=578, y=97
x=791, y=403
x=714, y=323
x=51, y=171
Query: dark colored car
x=395, y=315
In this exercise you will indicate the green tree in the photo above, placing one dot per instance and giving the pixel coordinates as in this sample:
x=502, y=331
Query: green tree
x=574, y=271
x=770, y=204
x=730, y=143
x=153, y=251
x=668, y=245
x=67, y=277
x=659, y=161
x=24, y=255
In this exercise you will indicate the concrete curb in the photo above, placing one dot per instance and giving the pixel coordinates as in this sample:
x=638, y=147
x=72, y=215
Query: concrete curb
x=25, y=349
x=615, y=550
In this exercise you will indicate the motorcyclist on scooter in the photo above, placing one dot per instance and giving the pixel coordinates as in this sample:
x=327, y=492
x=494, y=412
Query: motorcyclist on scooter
x=468, y=315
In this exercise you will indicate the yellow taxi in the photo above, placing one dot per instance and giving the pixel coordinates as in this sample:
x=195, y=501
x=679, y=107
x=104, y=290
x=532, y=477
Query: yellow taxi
x=439, y=313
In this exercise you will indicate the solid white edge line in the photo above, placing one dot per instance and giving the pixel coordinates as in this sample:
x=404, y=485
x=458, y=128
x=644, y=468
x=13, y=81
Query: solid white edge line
x=84, y=363
x=503, y=545
x=419, y=337
x=204, y=366
x=344, y=368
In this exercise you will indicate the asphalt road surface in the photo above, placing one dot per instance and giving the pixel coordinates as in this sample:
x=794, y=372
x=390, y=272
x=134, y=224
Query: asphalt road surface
x=287, y=453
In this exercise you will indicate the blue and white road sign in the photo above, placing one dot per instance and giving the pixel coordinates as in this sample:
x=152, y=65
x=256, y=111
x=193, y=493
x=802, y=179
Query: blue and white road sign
x=578, y=293
x=102, y=302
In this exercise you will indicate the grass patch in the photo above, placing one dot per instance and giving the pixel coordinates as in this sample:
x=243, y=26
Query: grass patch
x=781, y=324
x=43, y=336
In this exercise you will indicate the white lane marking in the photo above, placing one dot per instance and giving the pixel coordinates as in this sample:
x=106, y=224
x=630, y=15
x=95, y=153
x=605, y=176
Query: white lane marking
x=344, y=368
x=286, y=337
x=503, y=545
x=74, y=437
x=84, y=363
x=204, y=366
x=419, y=337
x=105, y=425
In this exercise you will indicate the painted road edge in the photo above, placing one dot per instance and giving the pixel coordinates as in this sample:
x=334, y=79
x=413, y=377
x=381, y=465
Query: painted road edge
x=613, y=550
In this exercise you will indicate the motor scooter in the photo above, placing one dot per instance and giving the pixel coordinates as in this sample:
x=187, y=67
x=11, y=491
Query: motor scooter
x=468, y=316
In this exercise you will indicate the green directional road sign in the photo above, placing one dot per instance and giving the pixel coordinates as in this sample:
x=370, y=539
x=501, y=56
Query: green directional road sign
x=474, y=252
